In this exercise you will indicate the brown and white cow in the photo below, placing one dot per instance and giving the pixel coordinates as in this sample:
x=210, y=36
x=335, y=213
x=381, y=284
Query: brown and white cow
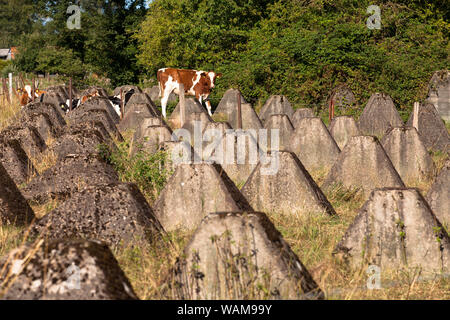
x=196, y=83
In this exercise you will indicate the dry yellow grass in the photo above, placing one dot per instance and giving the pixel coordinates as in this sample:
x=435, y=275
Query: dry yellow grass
x=311, y=237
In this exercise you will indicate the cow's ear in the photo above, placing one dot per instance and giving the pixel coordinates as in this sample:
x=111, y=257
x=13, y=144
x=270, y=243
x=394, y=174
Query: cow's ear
x=218, y=75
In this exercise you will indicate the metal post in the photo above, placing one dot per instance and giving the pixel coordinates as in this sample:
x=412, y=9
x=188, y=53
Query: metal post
x=182, y=105
x=70, y=94
x=239, y=110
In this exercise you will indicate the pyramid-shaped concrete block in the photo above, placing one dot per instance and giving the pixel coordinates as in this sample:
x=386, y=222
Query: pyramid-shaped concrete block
x=16, y=162
x=342, y=97
x=301, y=113
x=153, y=93
x=177, y=152
x=378, y=116
x=193, y=191
x=98, y=115
x=431, y=128
x=42, y=122
x=55, y=113
x=125, y=89
x=362, y=165
x=241, y=256
x=150, y=139
x=29, y=138
x=68, y=176
x=63, y=270
x=408, y=155
x=116, y=213
x=276, y=105
x=285, y=131
x=192, y=106
x=439, y=93
x=143, y=98
x=196, y=124
x=135, y=114
x=14, y=209
x=396, y=228
x=438, y=196
x=228, y=102
x=342, y=128
x=95, y=103
x=235, y=150
x=78, y=140
x=148, y=122
x=314, y=145
x=289, y=188
x=227, y=111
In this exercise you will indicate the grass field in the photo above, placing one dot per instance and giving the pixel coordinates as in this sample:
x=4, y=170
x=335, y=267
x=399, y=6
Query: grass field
x=311, y=237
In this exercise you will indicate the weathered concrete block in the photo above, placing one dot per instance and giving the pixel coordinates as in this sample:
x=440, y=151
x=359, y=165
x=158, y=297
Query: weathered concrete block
x=42, y=122
x=379, y=115
x=135, y=115
x=314, y=145
x=143, y=98
x=343, y=98
x=192, y=106
x=290, y=189
x=98, y=115
x=82, y=140
x=95, y=103
x=396, y=228
x=193, y=191
x=276, y=105
x=438, y=196
x=16, y=162
x=91, y=89
x=408, y=155
x=227, y=111
x=14, y=209
x=285, y=131
x=363, y=164
x=55, y=113
x=241, y=256
x=64, y=270
x=116, y=213
x=29, y=138
x=68, y=176
x=232, y=149
x=439, y=93
x=149, y=138
x=153, y=93
x=196, y=124
x=125, y=89
x=301, y=113
x=342, y=128
x=431, y=128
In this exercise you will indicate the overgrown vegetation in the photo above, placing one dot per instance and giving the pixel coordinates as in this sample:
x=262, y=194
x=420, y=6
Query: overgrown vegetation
x=148, y=171
x=301, y=49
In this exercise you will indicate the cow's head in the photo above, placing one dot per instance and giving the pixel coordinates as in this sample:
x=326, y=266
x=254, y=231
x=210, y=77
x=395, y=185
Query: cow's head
x=212, y=78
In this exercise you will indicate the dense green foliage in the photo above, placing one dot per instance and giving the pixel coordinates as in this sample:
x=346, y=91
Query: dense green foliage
x=102, y=45
x=301, y=48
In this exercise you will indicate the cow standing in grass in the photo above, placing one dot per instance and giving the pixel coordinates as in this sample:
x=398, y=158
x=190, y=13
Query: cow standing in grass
x=196, y=83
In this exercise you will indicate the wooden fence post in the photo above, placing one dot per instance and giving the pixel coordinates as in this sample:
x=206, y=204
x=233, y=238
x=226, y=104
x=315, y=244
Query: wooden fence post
x=239, y=109
x=182, y=105
x=33, y=89
x=70, y=94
